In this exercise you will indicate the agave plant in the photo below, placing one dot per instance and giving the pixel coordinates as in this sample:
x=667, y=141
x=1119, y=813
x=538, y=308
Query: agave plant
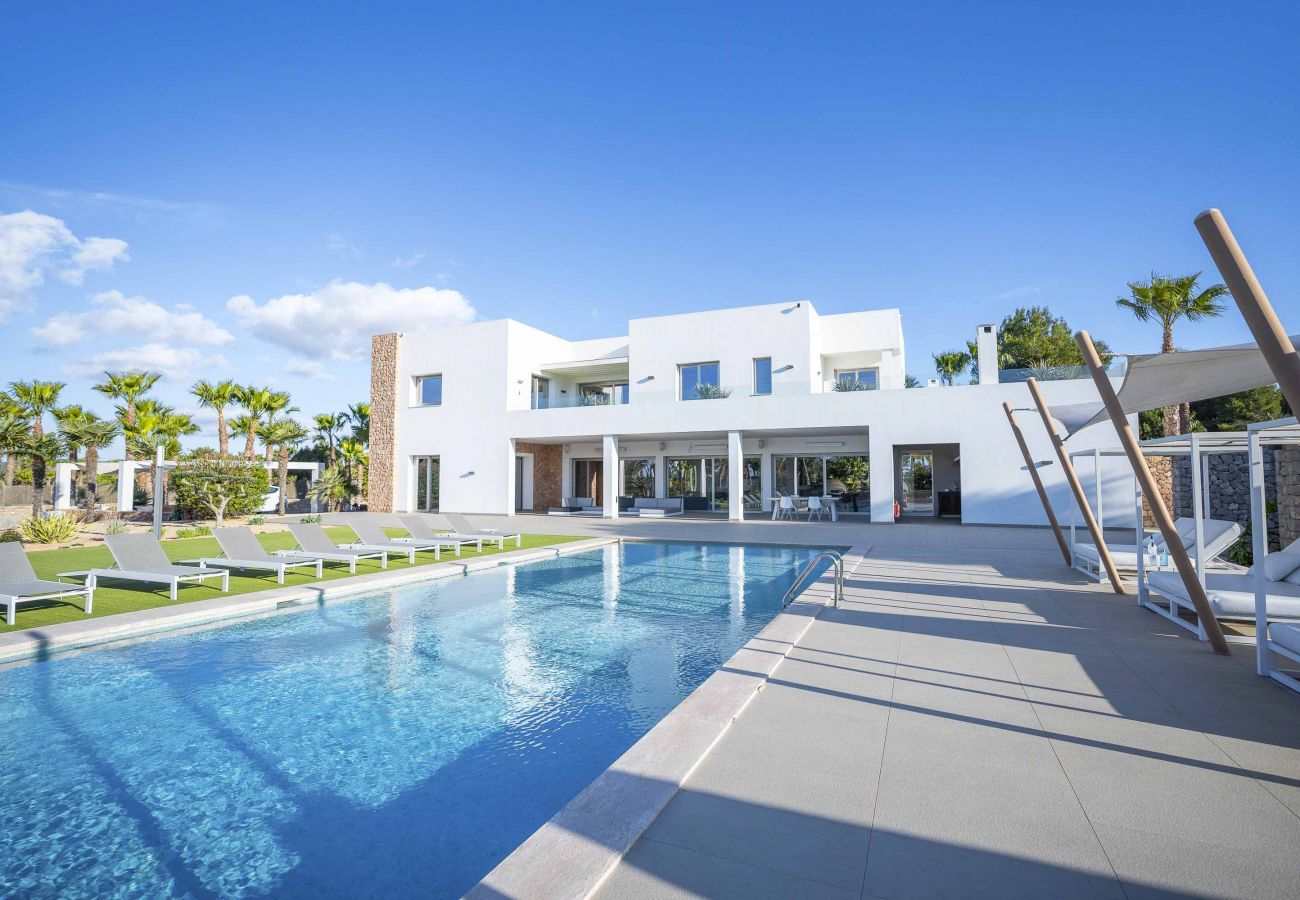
x=845, y=384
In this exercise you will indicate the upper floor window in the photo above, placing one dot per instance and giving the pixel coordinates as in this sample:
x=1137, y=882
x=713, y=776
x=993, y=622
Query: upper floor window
x=700, y=381
x=428, y=390
x=763, y=375
x=602, y=394
x=541, y=392
x=857, y=379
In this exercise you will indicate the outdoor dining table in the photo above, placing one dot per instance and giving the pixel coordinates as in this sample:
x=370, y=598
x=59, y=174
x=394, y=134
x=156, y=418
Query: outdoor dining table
x=801, y=505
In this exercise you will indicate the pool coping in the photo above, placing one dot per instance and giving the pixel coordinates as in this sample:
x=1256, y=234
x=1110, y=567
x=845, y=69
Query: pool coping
x=42, y=642
x=576, y=850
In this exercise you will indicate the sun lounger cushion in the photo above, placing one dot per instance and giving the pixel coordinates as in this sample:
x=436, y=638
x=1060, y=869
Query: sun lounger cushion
x=1287, y=634
x=1231, y=595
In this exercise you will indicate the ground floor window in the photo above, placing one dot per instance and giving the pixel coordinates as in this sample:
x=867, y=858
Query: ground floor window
x=846, y=477
x=427, y=471
x=639, y=477
x=704, y=482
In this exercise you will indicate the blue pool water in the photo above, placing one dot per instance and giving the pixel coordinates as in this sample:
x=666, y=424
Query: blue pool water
x=396, y=745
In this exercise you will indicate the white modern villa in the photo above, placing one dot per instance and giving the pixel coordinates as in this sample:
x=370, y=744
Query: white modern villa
x=753, y=402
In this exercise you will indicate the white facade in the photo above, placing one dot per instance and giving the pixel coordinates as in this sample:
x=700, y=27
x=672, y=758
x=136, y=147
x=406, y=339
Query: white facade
x=486, y=418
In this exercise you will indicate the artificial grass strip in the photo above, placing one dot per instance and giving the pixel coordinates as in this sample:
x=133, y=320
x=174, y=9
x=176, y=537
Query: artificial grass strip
x=120, y=596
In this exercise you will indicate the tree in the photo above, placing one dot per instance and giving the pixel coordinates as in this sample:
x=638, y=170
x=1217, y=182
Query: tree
x=1235, y=411
x=284, y=435
x=355, y=460
x=67, y=418
x=129, y=388
x=92, y=433
x=217, y=397
x=219, y=486
x=328, y=426
x=950, y=365
x=1166, y=300
x=35, y=399
x=911, y=381
x=1033, y=338
x=331, y=489
x=12, y=411
x=252, y=400
x=359, y=415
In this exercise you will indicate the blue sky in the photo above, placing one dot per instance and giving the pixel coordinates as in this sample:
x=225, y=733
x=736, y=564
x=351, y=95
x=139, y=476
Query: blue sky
x=576, y=166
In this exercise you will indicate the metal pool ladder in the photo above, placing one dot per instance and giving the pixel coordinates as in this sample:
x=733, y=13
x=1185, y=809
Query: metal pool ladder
x=832, y=555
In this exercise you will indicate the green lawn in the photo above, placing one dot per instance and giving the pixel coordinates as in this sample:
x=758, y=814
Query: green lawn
x=119, y=596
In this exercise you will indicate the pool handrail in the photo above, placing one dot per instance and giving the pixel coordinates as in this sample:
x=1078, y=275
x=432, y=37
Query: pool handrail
x=838, y=559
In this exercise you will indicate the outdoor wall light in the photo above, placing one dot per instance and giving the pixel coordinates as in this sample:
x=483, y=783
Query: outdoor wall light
x=663, y=446
x=468, y=474
x=644, y=380
x=784, y=369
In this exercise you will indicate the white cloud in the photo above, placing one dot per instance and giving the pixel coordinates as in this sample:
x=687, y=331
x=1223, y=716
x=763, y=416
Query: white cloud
x=1017, y=293
x=31, y=243
x=174, y=363
x=408, y=261
x=144, y=320
x=337, y=320
x=95, y=254
x=309, y=368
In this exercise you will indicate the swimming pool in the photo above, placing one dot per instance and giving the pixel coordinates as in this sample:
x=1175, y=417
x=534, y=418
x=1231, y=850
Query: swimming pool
x=399, y=744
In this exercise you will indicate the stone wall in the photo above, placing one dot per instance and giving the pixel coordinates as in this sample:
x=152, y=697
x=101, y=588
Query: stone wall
x=548, y=473
x=384, y=350
x=1288, y=493
x=1162, y=469
x=1229, y=497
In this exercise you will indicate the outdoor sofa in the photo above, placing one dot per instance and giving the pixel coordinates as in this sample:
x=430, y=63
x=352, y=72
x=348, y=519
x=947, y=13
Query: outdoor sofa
x=577, y=506
x=654, y=507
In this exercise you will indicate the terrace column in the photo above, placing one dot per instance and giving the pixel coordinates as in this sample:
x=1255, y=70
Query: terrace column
x=63, y=485
x=882, y=475
x=611, y=476
x=125, y=486
x=735, y=478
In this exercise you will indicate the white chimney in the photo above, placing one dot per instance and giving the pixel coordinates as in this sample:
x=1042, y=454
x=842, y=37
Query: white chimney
x=986, y=353
x=933, y=382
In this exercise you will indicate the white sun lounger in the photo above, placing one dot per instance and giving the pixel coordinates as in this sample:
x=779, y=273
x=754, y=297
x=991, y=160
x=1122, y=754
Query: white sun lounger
x=372, y=537
x=242, y=550
x=139, y=557
x=315, y=542
x=462, y=526
x=419, y=531
x=1218, y=535
x=19, y=584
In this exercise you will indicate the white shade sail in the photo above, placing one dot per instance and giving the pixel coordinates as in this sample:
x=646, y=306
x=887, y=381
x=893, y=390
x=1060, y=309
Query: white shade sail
x=1156, y=380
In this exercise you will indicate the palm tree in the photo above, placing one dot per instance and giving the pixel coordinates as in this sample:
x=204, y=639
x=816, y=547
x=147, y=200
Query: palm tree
x=35, y=399
x=950, y=365
x=284, y=435
x=67, y=417
x=245, y=425
x=359, y=415
x=328, y=425
x=158, y=425
x=277, y=402
x=355, y=459
x=93, y=433
x=1166, y=300
x=217, y=397
x=252, y=399
x=128, y=387
x=11, y=411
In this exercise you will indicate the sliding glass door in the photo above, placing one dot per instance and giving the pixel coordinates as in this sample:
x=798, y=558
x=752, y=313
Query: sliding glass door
x=844, y=477
x=588, y=479
x=704, y=482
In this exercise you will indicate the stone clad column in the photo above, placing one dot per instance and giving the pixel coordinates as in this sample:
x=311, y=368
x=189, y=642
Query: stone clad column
x=735, y=477
x=385, y=352
x=611, y=480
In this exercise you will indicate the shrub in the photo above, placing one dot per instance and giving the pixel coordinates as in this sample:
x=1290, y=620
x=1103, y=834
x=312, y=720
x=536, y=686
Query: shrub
x=52, y=529
x=711, y=392
x=310, y=520
x=257, y=520
x=10, y=535
x=848, y=385
x=196, y=531
x=117, y=526
x=219, y=486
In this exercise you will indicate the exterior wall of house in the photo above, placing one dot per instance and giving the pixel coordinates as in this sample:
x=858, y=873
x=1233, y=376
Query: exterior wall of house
x=486, y=418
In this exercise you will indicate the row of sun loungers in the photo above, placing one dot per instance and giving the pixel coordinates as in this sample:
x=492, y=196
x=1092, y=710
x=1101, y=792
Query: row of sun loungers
x=141, y=558
x=1218, y=536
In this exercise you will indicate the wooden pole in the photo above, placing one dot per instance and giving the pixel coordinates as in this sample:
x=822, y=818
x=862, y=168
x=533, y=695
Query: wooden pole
x=1274, y=343
x=1080, y=497
x=1128, y=440
x=1038, y=484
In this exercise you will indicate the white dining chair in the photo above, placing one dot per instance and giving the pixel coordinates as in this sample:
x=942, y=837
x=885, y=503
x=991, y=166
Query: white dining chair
x=785, y=508
x=815, y=506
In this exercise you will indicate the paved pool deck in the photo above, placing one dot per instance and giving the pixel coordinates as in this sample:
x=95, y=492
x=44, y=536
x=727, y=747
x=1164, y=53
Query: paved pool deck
x=976, y=720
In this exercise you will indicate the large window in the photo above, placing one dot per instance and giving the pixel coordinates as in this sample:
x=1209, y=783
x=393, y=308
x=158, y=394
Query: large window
x=427, y=471
x=638, y=477
x=866, y=379
x=845, y=477
x=602, y=394
x=588, y=479
x=541, y=392
x=428, y=390
x=704, y=482
x=696, y=378
x=763, y=375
